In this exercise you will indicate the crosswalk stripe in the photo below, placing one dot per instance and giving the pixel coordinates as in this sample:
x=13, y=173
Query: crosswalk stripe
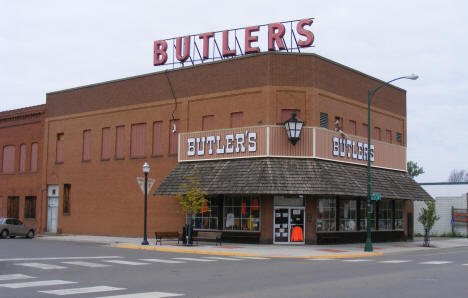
x=224, y=258
x=87, y=264
x=126, y=262
x=163, y=261
x=436, y=262
x=96, y=289
x=255, y=258
x=357, y=260
x=58, y=258
x=41, y=266
x=194, y=259
x=42, y=283
x=14, y=276
x=394, y=261
x=146, y=295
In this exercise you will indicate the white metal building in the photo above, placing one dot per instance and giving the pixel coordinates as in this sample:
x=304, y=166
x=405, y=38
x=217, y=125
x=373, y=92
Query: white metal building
x=446, y=195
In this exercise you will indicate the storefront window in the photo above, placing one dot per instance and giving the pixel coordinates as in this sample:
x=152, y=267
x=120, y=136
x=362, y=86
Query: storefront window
x=385, y=215
x=348, y=215
x=208, y=217
x=363, y=215
x=326, y=218
x=399, y=214
x=241, y=214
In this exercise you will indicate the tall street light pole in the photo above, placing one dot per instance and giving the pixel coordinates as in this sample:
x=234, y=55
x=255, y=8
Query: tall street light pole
x=146, y=169
x=370, y=93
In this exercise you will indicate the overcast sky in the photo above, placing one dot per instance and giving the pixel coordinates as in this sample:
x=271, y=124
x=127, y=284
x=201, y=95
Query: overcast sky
x=53, y=45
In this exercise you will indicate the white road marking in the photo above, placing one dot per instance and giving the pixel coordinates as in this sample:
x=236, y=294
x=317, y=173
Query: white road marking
x=14, y=276
x=224, y=258
x=42, y=283
x=436, y=262
x=126, y=262
x=163, y=261
x=194, y=259
x=58, y=258
x=146, y=295
x=97, y=289
x=357, y=260
x=254, y=258
x=394, y=261
x=41, y=266
x=87, y=264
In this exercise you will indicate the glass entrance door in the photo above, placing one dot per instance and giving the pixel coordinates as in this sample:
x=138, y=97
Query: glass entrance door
x=288, y=225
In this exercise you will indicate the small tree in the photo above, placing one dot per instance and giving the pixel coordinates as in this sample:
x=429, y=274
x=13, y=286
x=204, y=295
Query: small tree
x=428, y=218
x=414, y=169
x=192, y=200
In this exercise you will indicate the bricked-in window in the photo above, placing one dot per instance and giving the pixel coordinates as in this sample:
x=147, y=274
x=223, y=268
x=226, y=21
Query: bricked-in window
x=388, y=136
x=365, y=131
x=138, y=140
x=34, y=156
x=119, y=142
x=173, y=136
x=8, y=165
x=236, y=119
x=66, y=198
x=13, y=207
x=59, y=148
x=286, y=114
x=30, y=207
x=324, y=120
x=352, y=127
x=377, y=134
x=22, y=159
x=86, y=145
x=105, y=143
x=208, y=122
x=157, y=138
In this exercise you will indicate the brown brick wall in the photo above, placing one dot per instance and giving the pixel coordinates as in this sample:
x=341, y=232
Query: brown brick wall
x=22, y=126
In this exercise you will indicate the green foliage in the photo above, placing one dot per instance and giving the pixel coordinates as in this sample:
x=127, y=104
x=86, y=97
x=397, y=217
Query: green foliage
x=414, y=169
x=428, y=216
x=192, y=199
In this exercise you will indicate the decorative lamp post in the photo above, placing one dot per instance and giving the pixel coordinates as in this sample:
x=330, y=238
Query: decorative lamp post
x=146, y=169
x=293, y=128
x=370, y=93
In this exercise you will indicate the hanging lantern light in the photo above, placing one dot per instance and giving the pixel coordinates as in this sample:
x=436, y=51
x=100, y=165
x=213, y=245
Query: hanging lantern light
x=293, y=128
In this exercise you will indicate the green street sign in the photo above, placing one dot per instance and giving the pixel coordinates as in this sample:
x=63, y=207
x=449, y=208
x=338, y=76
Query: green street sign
x=375, y=196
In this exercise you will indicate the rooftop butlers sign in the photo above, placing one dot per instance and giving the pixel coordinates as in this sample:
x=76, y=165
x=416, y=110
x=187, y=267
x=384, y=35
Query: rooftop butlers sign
x=197, y=48
x=271, y=141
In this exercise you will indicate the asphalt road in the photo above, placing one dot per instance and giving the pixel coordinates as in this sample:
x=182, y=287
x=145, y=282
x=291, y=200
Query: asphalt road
x=45, y=268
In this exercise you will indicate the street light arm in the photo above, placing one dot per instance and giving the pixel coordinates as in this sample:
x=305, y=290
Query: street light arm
x=387, y=83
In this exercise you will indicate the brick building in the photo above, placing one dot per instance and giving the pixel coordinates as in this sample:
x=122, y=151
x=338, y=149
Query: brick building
x=97, y=138
x=21, y=182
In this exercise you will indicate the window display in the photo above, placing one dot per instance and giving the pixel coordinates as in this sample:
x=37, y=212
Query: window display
x=241, y=214
x=385, y=215
x=208, y=216
x=399, y=207
x=348, y=215
x=326, y=217
x=363, y=215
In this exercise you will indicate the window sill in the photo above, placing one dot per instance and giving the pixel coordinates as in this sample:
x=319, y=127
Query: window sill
x=66, y=214
x=119, y=158
x=157, y=156
x=86, y=161
x=105, y=159
x=137, y=157
x=59, y=162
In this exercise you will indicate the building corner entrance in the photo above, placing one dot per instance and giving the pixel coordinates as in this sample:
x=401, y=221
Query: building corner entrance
x=289, y=225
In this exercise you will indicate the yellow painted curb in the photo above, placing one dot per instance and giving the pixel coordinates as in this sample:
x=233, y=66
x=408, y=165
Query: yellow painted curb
x=228, y=253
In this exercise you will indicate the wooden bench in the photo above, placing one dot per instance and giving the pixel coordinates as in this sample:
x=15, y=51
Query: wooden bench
x=167, y=236
x=212, y=235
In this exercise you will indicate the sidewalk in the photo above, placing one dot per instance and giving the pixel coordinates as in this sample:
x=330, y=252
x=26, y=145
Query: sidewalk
x=354, y=250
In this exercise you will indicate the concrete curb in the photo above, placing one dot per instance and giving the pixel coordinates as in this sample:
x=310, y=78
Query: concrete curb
x=228, y=253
